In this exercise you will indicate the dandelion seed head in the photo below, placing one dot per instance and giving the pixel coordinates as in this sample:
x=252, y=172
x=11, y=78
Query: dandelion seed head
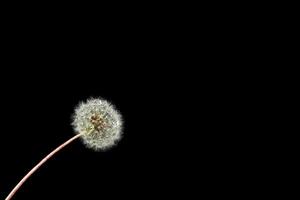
x=99, y=122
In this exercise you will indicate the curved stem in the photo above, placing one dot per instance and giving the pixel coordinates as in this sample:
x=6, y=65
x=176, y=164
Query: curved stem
x=16, y=188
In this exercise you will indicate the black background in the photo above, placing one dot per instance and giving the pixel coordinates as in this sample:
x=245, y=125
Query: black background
x=175, y=83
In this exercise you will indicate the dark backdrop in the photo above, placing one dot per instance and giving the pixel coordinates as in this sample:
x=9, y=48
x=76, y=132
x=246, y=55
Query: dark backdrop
x=181, y=97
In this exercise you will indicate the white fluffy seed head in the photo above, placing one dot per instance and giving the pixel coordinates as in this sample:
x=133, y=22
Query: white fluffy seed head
x=99, y=122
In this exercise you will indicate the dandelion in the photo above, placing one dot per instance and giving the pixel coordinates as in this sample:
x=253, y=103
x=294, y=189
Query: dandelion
x=99, y=122
x=96, y=122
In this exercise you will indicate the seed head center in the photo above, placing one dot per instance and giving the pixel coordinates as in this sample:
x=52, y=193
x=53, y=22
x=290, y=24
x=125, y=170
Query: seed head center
x=98, y=122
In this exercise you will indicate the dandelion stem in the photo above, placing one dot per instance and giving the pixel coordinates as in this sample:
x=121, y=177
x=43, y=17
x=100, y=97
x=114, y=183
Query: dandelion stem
x=16, y=188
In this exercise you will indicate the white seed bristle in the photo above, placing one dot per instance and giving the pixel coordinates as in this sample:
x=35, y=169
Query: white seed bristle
x=99, y=122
